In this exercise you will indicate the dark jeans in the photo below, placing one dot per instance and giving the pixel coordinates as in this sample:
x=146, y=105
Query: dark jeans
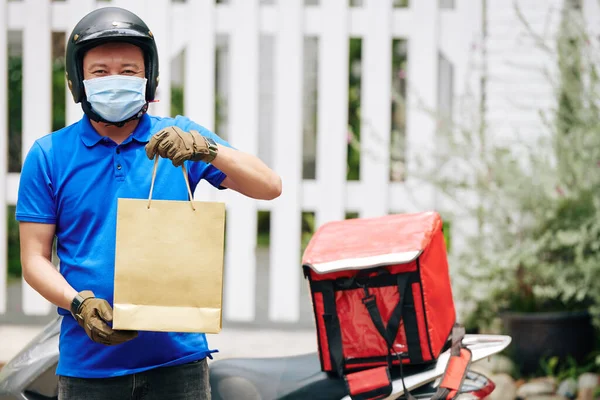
x=181, y=382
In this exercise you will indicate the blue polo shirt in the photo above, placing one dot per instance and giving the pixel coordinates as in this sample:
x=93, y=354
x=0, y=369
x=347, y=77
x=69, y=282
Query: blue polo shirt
x=72, y=178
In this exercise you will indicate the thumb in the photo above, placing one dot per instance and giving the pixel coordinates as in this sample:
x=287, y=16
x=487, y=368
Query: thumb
x=105, y=311
x=151, y=148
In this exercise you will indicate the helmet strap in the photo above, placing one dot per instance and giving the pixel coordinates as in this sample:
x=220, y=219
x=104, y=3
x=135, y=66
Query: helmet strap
x=87, y=109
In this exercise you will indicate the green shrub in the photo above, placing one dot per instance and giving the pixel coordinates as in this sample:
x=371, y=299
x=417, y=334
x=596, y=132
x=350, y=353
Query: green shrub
x=537, y=210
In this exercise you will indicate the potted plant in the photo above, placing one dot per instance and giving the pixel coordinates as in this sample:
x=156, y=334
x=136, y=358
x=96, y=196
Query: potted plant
x=545, y=298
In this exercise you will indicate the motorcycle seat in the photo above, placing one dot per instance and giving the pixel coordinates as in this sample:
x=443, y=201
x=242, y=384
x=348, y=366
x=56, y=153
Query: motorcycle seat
x=279, y=378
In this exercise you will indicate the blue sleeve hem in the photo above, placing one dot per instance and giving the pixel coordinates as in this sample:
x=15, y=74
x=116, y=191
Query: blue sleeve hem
x=35, y=218
x=216, y=182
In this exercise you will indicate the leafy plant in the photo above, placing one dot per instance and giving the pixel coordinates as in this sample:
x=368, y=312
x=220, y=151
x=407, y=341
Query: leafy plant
x=354, y=115
x=553, y=367
x=14, y=253
x=177, y=93
x=15, y=114
x=535, y=202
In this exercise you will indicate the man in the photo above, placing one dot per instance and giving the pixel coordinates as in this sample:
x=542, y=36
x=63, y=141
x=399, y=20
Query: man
x=70, y=182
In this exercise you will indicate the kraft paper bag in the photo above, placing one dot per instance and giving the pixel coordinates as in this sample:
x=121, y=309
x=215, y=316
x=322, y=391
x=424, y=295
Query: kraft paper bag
x=169, y=264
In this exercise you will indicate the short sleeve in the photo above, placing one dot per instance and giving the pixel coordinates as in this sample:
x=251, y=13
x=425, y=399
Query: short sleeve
x=208, y=172
x=36, y=200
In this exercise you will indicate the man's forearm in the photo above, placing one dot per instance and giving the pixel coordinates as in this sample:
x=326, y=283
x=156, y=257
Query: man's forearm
x=44, y=278
x=247, y=174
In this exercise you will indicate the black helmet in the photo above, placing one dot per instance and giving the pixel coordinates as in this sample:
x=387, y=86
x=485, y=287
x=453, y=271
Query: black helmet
x=108, y=24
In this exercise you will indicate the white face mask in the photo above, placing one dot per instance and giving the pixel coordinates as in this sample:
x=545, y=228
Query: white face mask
x=116, y=97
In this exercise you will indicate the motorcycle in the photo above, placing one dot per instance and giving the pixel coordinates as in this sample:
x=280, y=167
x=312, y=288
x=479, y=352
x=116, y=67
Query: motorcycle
x=30, y=375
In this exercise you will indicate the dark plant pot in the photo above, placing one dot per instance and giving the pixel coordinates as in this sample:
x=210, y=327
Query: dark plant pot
x=537, y=336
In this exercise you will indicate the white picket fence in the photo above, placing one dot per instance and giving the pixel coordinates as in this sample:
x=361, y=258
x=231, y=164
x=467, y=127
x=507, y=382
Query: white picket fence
x=193, y=25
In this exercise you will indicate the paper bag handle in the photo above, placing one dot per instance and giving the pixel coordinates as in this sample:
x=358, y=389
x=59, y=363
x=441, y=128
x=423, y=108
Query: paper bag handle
x=185, y=177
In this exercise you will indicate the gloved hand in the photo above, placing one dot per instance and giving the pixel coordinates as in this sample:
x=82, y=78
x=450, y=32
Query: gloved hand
x=178, y=146
x=93, y=315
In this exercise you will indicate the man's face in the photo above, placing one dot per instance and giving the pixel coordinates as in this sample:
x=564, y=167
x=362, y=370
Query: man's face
x=113, y=59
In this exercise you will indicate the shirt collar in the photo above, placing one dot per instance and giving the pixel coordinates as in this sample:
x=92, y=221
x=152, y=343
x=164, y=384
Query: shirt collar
x=90, y=137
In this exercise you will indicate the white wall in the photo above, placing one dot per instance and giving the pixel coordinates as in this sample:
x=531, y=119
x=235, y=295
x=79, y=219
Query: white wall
x=518, y=85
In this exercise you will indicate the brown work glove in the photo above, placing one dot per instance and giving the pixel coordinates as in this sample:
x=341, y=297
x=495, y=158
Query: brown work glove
x=93, y=315
x=178, y=146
